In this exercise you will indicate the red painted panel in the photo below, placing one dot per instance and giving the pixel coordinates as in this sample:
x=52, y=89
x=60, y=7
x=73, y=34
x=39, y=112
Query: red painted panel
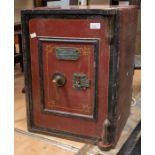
x=67, y=98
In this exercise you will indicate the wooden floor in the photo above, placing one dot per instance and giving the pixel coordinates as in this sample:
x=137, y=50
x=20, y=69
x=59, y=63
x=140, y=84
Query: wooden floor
x=27, y=143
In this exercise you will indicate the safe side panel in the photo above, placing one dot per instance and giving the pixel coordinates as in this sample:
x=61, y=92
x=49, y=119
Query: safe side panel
x=70, y=28
x=128, y=24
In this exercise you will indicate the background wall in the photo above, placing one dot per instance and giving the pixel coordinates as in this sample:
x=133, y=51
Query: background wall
x=19, y=5
x=58, y=3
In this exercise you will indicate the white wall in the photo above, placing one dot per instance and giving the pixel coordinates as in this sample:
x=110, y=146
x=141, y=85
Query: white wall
x=58, y=3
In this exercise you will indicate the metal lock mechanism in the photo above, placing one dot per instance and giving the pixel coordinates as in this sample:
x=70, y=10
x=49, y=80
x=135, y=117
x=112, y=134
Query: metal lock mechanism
x=80, y=81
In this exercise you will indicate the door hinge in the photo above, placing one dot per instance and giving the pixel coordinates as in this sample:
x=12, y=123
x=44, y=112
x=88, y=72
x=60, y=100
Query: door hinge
x=105, y=143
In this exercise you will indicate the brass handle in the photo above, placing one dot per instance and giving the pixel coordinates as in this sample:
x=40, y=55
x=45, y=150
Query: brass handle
x=58, y=79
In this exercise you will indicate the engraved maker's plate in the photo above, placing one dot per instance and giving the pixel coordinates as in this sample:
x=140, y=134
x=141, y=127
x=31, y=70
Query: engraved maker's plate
x=67, y=53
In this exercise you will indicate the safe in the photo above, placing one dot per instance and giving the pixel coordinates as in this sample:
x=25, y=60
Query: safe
x=78, y=64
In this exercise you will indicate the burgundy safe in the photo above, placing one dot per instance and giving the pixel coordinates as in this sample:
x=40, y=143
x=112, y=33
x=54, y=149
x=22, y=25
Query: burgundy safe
x=78, y=71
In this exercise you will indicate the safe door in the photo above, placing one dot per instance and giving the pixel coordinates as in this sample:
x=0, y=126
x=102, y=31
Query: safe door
x=68, y=71
x=68, y=66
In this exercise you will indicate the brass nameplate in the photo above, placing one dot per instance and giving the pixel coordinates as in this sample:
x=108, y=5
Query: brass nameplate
x=67, y=53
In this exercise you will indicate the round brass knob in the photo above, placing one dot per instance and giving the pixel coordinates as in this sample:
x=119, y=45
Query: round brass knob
x=59, y=79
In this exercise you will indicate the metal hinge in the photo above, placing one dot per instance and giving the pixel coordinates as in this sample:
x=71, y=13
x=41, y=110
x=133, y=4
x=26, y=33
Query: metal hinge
x=105, y=143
